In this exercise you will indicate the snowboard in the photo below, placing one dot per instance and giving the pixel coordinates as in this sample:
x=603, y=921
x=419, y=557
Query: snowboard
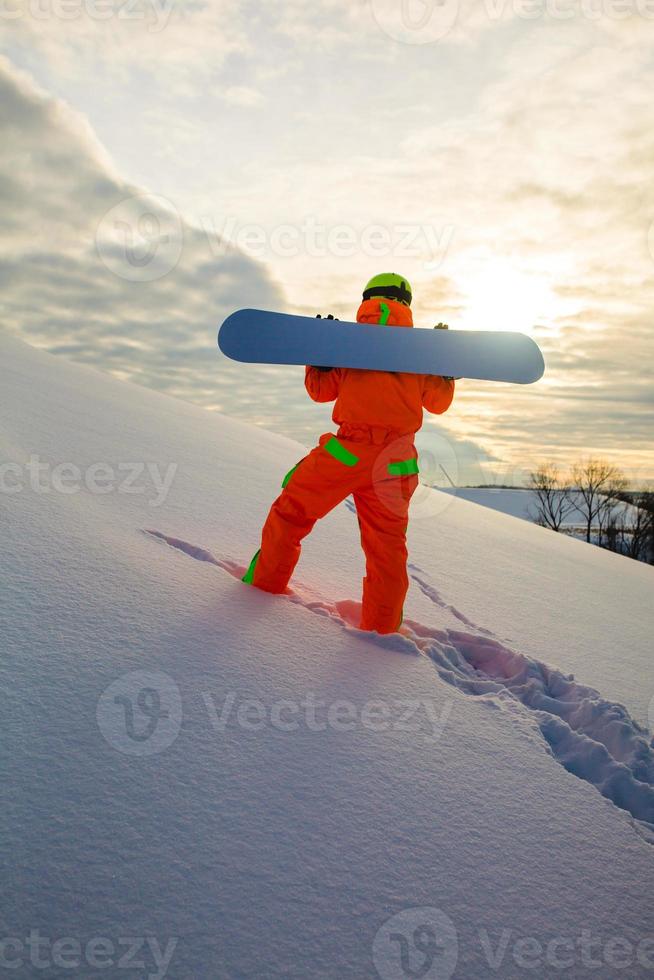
x=260, y=337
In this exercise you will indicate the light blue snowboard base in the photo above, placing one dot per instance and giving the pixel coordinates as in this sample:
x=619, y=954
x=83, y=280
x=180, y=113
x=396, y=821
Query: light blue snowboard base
x=259, y=337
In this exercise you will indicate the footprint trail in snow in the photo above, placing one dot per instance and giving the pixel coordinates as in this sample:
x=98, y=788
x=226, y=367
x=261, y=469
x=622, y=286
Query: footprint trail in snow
x=592, y=738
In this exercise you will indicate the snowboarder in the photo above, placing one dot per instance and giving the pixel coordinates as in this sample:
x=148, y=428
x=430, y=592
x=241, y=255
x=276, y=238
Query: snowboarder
x=372, y=457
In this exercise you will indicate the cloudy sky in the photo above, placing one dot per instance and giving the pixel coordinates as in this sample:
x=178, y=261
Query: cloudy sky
x=164, y=162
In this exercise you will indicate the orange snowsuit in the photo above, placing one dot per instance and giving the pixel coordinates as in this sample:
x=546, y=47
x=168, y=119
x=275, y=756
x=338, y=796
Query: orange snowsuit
x=373, y=457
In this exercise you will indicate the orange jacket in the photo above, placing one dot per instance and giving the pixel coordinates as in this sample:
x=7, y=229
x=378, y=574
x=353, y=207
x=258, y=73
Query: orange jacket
x=392, y=400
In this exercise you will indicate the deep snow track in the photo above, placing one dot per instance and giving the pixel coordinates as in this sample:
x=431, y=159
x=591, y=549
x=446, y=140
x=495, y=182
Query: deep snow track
x=592, y=738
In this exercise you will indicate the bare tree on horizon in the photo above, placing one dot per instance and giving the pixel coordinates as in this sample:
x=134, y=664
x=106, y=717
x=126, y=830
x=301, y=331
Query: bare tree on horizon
x=553, y=497
x=634, y=537
x=598, y=485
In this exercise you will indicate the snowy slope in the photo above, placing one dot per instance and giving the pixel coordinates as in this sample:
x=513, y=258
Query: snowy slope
x=519, y=503
x=256, y=788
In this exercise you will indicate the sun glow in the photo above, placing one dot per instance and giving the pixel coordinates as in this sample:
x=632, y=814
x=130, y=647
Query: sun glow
x=500, y=296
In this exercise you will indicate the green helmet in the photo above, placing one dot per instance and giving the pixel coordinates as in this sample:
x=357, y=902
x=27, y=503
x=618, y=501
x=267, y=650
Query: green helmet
x=390, y=286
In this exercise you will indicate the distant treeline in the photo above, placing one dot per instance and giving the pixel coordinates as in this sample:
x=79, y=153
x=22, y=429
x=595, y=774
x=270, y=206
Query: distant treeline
x=610, y=514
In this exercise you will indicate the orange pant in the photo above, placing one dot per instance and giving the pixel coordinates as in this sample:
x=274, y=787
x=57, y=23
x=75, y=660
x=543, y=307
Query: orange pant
x=381, y=479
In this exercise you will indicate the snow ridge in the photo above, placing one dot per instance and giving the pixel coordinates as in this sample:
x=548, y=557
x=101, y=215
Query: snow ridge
x=594, y=739
x=431, y=593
